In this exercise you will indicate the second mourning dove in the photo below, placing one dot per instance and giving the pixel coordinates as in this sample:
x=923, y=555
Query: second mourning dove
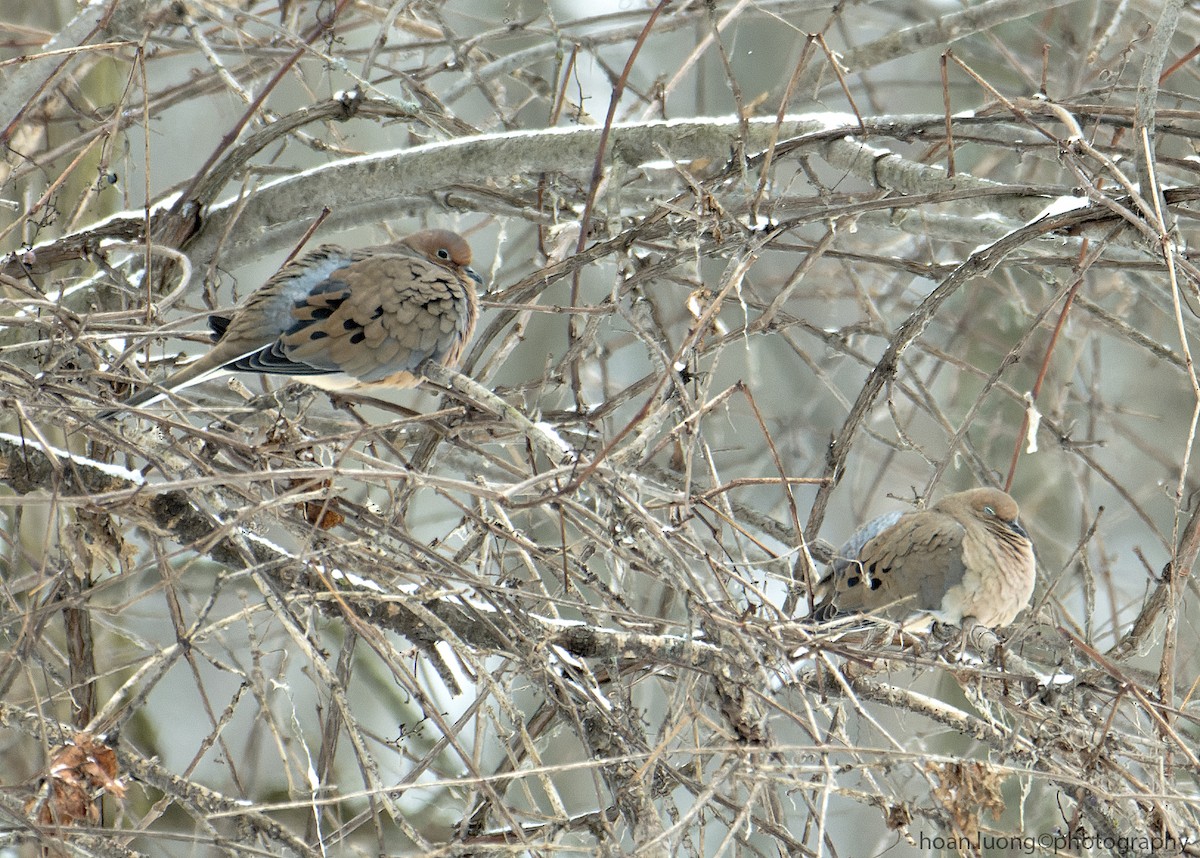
x=965, y=556
x=347, y=319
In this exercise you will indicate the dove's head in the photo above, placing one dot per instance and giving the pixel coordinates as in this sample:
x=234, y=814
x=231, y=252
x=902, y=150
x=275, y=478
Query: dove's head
x=445, y=248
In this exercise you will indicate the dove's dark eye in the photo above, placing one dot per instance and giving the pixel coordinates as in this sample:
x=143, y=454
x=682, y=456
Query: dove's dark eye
x=443, y=253
x=989, y=510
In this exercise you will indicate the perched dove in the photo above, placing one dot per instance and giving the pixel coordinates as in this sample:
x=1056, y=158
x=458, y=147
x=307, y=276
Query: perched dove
x=347, y=319
x=964, y=557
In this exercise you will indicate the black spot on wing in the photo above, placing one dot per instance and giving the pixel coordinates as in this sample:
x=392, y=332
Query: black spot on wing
x=322, y=300
x=303, y=326
x=357, y=328
x=331, y=284
x=318, y=314
x=309, y=310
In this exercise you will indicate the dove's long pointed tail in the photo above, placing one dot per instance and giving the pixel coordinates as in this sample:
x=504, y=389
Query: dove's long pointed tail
x=195, y=372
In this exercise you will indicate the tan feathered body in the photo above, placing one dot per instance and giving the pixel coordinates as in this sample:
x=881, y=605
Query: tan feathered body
x=965, y=556
x=348, y=319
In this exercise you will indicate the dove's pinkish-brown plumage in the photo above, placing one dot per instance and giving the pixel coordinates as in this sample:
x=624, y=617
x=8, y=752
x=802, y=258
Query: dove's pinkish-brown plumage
x=965, y=556
x=348, y=319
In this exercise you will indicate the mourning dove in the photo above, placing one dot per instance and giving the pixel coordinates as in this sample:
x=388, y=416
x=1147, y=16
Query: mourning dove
x=964, y=557
x=347, y=319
